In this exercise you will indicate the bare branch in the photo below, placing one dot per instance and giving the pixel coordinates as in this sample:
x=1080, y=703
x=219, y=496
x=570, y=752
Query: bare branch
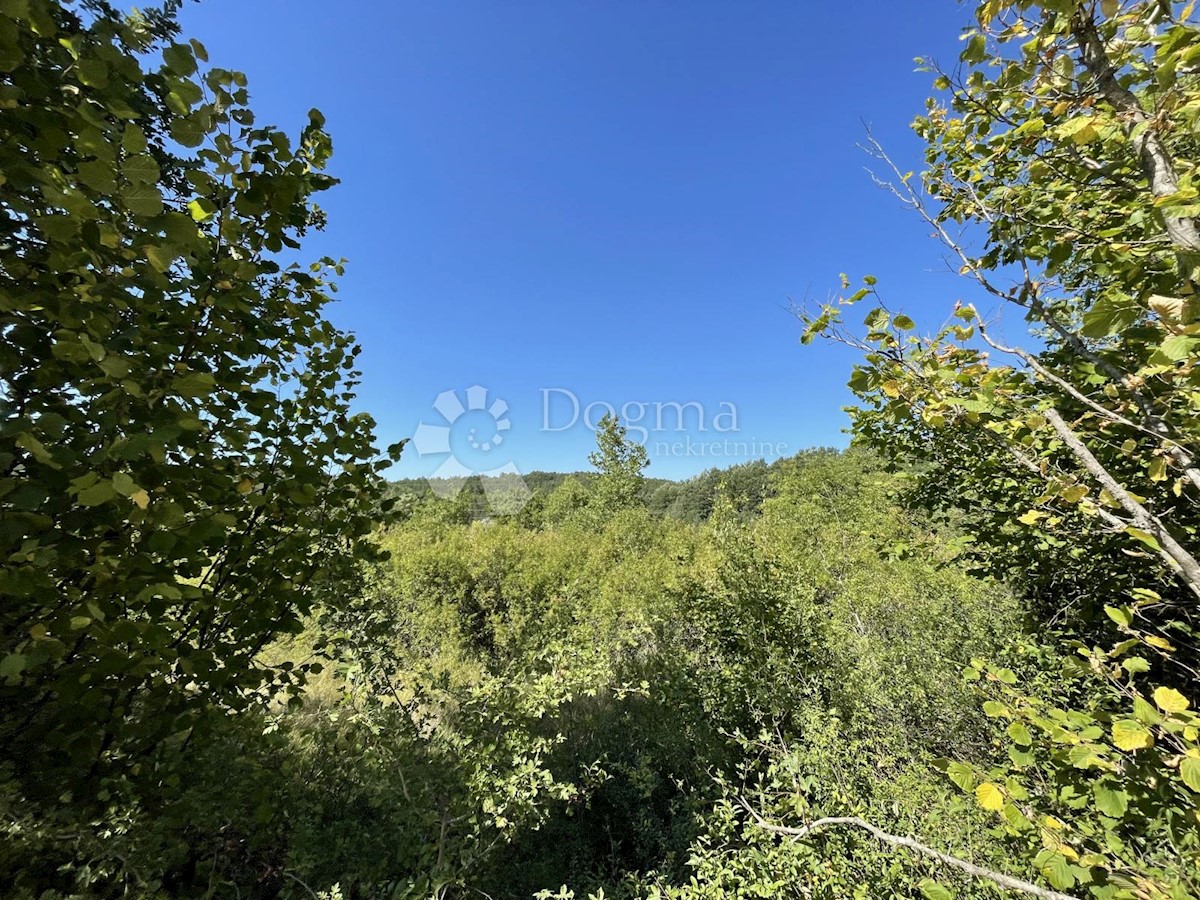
x=1007, y=881
x=1026, y=298
x=1180, y=456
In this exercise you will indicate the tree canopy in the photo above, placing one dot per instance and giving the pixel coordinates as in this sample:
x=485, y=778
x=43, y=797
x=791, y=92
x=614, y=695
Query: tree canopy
x=182, y=471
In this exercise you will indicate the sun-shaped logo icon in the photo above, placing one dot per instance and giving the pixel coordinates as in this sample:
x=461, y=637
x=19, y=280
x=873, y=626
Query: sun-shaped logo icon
x=473, y=425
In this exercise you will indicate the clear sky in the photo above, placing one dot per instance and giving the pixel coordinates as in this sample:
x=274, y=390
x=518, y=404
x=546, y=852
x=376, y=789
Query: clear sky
x=611, y=198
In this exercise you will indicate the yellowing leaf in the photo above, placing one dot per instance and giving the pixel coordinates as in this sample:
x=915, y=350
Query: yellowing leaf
x=1075, y=493
x=141, y=498
x=200, y=209
x=1128, y=734
x=1144, y=536
x=990, y=796
x=1171, y=309
x=1170, y=700
x=1120, y=615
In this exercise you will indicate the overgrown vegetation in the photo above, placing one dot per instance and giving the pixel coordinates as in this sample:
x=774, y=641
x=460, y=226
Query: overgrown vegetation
x=954, y=661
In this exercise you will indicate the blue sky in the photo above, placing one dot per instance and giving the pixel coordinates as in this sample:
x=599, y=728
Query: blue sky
x=612, y=198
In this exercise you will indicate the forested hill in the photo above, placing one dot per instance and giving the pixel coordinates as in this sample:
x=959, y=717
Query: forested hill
x=746, y=485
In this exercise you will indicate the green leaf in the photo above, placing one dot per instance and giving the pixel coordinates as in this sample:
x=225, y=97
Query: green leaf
x=1136, y=664
x=1020, y=734
x=1014, y=817
x=179, y=59
x=141, y=169
x=160, y=257
x=133, y=139
x=1176, y=348
x=12, y=664
x=1145, y=713
x=1058, y=871
x=100, y=492
x=1121, y=615
x=962, y=775
x=123, y=484
x=11, y=55
x=876, y=319
x=1144, y=536
x=59, y=228
x=195, y=384
x=1110, y=315
x=934, y=890
x=92, y=72
x=143, y=200
x=98, y=176
x=1189, y=771
x=1109, y=801
x=190, y=130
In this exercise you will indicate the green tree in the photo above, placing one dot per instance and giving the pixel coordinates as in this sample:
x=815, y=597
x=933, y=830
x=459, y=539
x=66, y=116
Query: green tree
x=620, y=462
x=182, y=477
x=1065, y=144
x=1061, y=176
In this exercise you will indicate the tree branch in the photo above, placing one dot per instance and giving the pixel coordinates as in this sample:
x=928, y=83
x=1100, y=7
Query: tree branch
x=1156, y=161
x=1177, y=453
x=1184, y=564
x=1007, y=881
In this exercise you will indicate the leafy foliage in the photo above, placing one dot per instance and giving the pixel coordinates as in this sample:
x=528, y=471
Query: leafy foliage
x=181, y=476
x=1066, y=143
x=229, y=670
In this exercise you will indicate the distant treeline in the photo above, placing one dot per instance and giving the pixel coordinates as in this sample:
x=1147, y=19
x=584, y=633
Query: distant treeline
x=747, y=485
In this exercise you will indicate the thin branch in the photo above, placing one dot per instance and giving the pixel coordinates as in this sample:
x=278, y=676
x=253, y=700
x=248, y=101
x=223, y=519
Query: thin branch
x=1027, y=298
x=1007, y=881
x=312, y=893
x=1181, y=457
